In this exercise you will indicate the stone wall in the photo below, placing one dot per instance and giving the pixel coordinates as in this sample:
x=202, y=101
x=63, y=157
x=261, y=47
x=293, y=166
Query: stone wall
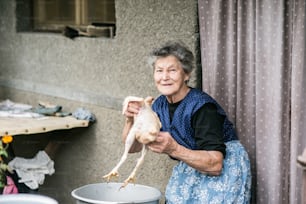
x=95, y=73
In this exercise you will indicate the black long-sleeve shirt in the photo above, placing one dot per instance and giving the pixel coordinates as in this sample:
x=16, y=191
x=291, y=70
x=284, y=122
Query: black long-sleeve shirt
x=208, y=126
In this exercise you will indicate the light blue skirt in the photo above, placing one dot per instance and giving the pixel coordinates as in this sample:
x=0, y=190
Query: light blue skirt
x=189, y=186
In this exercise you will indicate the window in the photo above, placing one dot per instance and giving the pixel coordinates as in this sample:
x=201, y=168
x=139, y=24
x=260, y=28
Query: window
x=55, y=15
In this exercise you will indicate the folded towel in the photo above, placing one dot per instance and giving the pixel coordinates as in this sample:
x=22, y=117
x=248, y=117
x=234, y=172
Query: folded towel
x=32, y=171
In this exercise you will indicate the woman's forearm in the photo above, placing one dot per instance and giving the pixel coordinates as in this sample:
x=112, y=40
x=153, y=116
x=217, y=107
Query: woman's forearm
x=127, y=126
x=136, y=146
x=209, y=162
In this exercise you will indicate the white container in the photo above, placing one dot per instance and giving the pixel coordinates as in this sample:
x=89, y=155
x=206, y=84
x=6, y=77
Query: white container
x=26, y=199
x=110, y=193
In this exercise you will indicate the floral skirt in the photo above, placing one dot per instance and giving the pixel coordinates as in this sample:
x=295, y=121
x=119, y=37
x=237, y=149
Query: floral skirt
x=189, y=186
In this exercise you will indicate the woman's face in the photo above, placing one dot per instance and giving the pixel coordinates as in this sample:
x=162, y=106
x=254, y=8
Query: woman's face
x=170, y=77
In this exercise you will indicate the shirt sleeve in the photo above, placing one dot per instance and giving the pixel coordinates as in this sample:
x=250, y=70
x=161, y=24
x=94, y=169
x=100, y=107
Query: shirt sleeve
x=208, y=126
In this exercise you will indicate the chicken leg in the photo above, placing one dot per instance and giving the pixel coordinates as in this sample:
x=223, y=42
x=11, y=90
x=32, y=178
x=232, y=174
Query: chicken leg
x=128, y=143
x=140, y=160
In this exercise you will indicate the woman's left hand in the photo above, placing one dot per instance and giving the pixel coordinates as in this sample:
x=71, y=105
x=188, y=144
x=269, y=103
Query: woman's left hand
x=164, y=143
x=208, y=162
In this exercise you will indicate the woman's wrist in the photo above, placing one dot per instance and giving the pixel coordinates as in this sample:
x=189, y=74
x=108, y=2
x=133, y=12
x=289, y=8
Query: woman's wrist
x=129, y=119
x=175, y=151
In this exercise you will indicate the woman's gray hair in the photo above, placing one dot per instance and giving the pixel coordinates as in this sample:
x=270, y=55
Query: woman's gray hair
x=176, y=49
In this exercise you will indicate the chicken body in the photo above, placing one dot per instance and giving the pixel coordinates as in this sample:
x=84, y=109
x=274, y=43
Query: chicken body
x=145, y=128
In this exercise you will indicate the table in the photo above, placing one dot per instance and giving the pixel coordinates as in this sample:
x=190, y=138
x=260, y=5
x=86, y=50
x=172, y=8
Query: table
x=25, y=126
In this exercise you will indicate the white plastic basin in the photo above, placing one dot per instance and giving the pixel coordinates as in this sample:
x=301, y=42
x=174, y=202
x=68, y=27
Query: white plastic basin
x=26, y=199
x=109, y=193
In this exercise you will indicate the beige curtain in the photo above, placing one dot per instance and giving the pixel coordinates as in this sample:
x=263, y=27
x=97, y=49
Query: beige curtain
x=253, y=63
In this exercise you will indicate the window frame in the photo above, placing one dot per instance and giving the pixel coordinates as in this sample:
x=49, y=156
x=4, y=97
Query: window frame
x=81, y=17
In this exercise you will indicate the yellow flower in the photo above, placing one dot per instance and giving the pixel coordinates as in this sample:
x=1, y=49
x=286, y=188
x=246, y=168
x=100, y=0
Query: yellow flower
x=6, y=139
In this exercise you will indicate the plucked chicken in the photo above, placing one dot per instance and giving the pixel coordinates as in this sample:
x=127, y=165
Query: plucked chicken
x=145, y=129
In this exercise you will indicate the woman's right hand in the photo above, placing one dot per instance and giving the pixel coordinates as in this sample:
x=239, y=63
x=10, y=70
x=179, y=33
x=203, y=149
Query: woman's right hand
x=132, y=109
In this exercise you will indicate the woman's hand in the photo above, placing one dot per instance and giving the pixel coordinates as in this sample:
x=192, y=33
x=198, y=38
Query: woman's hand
x=164, y=143
x=207, y=162
x=132, y=109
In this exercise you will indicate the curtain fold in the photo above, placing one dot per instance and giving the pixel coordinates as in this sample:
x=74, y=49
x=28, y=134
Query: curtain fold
x=253, y=63
x=298, y=92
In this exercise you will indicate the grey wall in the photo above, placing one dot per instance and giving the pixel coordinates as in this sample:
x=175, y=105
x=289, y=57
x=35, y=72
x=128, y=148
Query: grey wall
x=96, y=73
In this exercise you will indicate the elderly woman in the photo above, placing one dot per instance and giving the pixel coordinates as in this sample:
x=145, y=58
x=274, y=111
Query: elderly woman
x=213, y=166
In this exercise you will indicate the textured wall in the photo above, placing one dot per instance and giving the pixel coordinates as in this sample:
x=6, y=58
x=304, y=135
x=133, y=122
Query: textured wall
x=96, y=73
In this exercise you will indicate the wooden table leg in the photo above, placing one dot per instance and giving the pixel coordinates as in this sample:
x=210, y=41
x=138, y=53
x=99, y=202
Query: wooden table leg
x=52, y=148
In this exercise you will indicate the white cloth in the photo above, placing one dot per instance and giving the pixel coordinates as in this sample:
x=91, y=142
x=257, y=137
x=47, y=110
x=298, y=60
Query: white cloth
x=19, y=110
x=10, y=105
x=32, y=171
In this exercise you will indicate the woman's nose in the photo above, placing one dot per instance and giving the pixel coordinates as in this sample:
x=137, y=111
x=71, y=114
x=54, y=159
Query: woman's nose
x=165, y=75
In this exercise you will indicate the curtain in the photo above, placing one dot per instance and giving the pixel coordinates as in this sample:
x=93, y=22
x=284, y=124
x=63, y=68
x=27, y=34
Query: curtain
x=253, y=63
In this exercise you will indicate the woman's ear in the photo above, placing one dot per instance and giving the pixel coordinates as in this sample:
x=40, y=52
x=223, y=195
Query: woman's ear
x=187, y=77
